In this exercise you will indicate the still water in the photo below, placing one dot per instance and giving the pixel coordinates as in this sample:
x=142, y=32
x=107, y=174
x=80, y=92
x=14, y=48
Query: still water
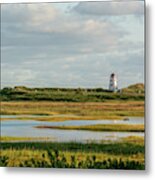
x=26, y=128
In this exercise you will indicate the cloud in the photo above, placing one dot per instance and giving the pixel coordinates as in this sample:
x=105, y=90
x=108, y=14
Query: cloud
x=84, y=37
x=45, y=46
x=111, y=8
x=47, y=29
x=28, y=13
x=42, y=14
x=17, y=75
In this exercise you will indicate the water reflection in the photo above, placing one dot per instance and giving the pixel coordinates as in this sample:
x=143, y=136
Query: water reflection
x=26, y=129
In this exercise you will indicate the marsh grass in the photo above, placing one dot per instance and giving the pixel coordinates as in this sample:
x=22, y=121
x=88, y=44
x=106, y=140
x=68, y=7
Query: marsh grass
x=133, y=140
x=73, y=155
x=74, y=111
x=18, y=139
x=101, y=127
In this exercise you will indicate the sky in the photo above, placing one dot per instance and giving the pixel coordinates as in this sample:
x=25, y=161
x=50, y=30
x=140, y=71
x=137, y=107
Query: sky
x=75, y=44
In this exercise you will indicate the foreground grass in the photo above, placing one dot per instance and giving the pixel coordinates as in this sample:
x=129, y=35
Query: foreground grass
x=101, y=127
x=120, y=155
x=74, y=111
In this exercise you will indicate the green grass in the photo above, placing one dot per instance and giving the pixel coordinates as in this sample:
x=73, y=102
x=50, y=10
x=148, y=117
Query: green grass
x=117, y=148
x=68, y=95
x=101, y=127
x=122, y=155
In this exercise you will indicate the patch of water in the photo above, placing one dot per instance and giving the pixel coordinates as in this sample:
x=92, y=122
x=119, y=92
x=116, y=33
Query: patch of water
x=26, y=128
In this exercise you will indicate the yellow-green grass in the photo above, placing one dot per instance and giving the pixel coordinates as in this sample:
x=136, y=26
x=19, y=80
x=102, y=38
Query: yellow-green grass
x=101, y=127
x=16, y=157
x=129, y=139
x=18, y=139
x=74, y=111
x=133, y=140
x=102, y=156
x=29, y=154
x=45, y=118
x=16, y=154
x=55, y=118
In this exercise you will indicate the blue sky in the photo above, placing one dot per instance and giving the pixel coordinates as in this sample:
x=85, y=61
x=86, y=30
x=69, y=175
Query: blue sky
x=72, y=44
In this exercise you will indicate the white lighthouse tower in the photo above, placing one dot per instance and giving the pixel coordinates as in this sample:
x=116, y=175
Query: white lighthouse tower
x=113, y=83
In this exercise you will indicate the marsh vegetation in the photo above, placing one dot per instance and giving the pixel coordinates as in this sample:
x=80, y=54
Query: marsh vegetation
x=101, y=127
x=21, y=93
x=122, y=155
x=55, y=105
x=74, y=111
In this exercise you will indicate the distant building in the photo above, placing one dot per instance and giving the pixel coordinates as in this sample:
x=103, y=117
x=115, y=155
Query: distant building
x=113, y=83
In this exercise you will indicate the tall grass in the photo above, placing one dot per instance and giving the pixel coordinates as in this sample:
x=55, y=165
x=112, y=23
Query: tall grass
x=54, y=155
x=112, y=148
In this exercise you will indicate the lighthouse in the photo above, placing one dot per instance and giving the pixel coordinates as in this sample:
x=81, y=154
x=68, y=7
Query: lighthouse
x=113, y=83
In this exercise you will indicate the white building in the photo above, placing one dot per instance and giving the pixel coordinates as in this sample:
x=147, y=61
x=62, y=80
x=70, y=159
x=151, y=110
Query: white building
x=113, y=83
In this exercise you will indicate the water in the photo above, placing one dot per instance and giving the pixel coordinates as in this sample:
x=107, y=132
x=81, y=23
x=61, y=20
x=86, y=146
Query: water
x=26, y=128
